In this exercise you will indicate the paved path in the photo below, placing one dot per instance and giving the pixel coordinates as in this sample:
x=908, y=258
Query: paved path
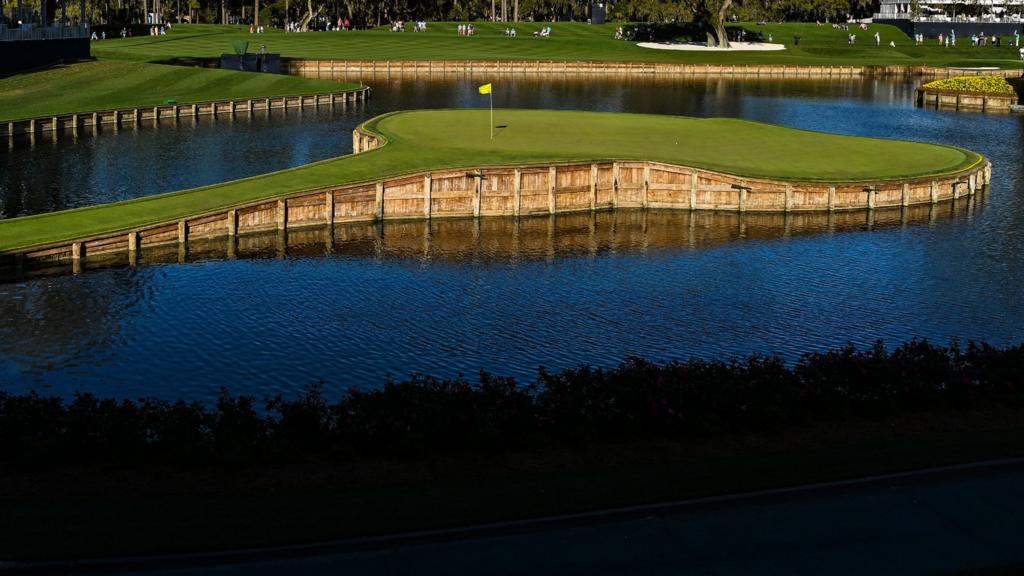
x=919, y=524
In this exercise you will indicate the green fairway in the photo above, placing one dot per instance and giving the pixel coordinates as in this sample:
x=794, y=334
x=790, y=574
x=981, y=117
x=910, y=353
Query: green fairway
x=436, y=139
x=819, y=45
x=104, y=85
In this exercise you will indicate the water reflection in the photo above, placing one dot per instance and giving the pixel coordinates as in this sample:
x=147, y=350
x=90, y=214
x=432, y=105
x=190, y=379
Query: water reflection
x=269, y=314
x=513, y=239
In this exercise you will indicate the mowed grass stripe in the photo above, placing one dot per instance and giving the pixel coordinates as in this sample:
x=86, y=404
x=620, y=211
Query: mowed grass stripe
x=443, y=139
x=819, y=45
x=103, y=85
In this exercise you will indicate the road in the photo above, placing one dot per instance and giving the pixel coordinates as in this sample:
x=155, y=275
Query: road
x=933, y=523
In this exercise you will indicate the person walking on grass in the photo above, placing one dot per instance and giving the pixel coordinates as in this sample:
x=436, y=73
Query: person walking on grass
x=878, y=39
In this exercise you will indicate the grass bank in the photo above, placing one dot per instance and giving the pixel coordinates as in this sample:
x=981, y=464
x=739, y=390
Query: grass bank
x=819, y=45
x=439, y=139
x=103, y=85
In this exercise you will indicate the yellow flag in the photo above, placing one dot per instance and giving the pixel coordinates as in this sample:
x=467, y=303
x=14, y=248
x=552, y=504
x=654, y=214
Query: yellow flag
x=485, y=89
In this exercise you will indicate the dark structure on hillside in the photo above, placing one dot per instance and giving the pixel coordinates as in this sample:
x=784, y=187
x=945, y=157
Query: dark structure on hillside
x=959, y=17
x=269, y=63
x=33, y=40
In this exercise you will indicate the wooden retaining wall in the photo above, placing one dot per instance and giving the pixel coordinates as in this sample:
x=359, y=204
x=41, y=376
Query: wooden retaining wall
x=519, y=191
x=960, y=101
x=456, y=239
x=136, y=116
x=368, y=69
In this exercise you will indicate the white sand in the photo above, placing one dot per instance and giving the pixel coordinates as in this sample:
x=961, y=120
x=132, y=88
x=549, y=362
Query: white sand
x=734, y=47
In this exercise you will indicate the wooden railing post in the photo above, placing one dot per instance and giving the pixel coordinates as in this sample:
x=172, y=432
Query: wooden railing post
x=647, y=184
x=478, y=191
x=517, y=191
x=552, y=180
x=615, y=185
x=427, y=196
x=329, y=206
x=182, y=232
x=379, y=201
x=232, y=222
x=593, y=187
x=282, y=214
x=694, y=181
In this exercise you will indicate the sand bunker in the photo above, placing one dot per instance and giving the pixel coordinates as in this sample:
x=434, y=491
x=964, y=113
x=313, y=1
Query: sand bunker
x=734, y=47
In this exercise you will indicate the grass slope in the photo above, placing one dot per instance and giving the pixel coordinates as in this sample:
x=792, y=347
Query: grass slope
x=104, y=85
x=436, y=139
x=821, y=45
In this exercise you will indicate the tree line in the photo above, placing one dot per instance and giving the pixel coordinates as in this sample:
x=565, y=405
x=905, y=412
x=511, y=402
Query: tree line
x=370, y=13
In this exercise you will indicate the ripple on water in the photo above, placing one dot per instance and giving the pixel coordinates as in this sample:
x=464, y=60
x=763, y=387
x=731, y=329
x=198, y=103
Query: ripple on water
x=582, y=289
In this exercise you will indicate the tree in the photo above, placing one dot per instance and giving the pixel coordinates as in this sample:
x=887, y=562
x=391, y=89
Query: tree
x=710, y=15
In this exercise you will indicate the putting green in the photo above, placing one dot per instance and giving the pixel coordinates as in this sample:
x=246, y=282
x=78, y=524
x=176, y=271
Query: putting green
x=438, y=139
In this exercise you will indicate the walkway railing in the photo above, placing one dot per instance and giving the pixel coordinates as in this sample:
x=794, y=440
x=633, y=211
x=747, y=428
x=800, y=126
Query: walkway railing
x=43, y=33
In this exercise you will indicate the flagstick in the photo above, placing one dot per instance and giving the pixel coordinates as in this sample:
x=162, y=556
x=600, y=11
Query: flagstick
x=490, y=98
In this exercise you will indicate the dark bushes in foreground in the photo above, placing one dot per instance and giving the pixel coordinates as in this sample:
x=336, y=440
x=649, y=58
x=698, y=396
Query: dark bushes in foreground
x=426, y=416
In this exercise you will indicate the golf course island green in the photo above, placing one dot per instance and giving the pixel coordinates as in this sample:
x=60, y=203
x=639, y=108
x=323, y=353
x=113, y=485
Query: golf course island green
x=419, y=142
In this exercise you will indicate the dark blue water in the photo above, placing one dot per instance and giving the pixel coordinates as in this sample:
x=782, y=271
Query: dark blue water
x=505, y=295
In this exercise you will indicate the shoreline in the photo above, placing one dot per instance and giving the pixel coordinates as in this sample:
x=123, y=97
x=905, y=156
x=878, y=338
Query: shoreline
x=344, y=69
x=445, y=187
x=134, y=116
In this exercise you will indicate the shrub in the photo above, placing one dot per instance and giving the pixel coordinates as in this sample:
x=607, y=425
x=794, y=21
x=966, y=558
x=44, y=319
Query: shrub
x=427, y=417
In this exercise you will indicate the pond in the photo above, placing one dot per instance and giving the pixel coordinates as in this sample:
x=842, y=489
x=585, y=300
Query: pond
x=270, y=314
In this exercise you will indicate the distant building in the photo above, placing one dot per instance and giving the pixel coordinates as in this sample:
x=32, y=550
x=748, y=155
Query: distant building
x=964, y=17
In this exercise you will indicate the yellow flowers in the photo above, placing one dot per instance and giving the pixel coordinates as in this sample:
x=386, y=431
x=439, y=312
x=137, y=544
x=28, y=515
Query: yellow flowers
x=974, y=85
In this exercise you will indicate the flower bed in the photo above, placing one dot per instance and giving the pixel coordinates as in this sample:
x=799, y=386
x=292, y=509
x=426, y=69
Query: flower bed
x=988, y=85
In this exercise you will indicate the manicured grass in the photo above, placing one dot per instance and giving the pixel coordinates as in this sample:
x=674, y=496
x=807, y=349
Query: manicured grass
x=819, y=45
x=104, y=85
x=437, y=139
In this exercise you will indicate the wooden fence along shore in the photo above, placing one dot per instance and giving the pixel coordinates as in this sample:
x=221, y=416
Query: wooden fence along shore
x=371, y=69
x=518, y=191
x=135, y=116
x=537, y=237
x=963, y=101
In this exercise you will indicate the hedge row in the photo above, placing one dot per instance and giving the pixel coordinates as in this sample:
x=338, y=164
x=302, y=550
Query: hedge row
x=424, y=416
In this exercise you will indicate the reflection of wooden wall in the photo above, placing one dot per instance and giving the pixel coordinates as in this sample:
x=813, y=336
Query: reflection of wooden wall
x=523, y=191
x=539, y=237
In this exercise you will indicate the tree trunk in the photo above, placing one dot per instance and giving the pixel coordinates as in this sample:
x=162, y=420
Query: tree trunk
x=256, y=14
x=723, y=36
x=310, y=14
x=515, y=15
x=494, y=11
